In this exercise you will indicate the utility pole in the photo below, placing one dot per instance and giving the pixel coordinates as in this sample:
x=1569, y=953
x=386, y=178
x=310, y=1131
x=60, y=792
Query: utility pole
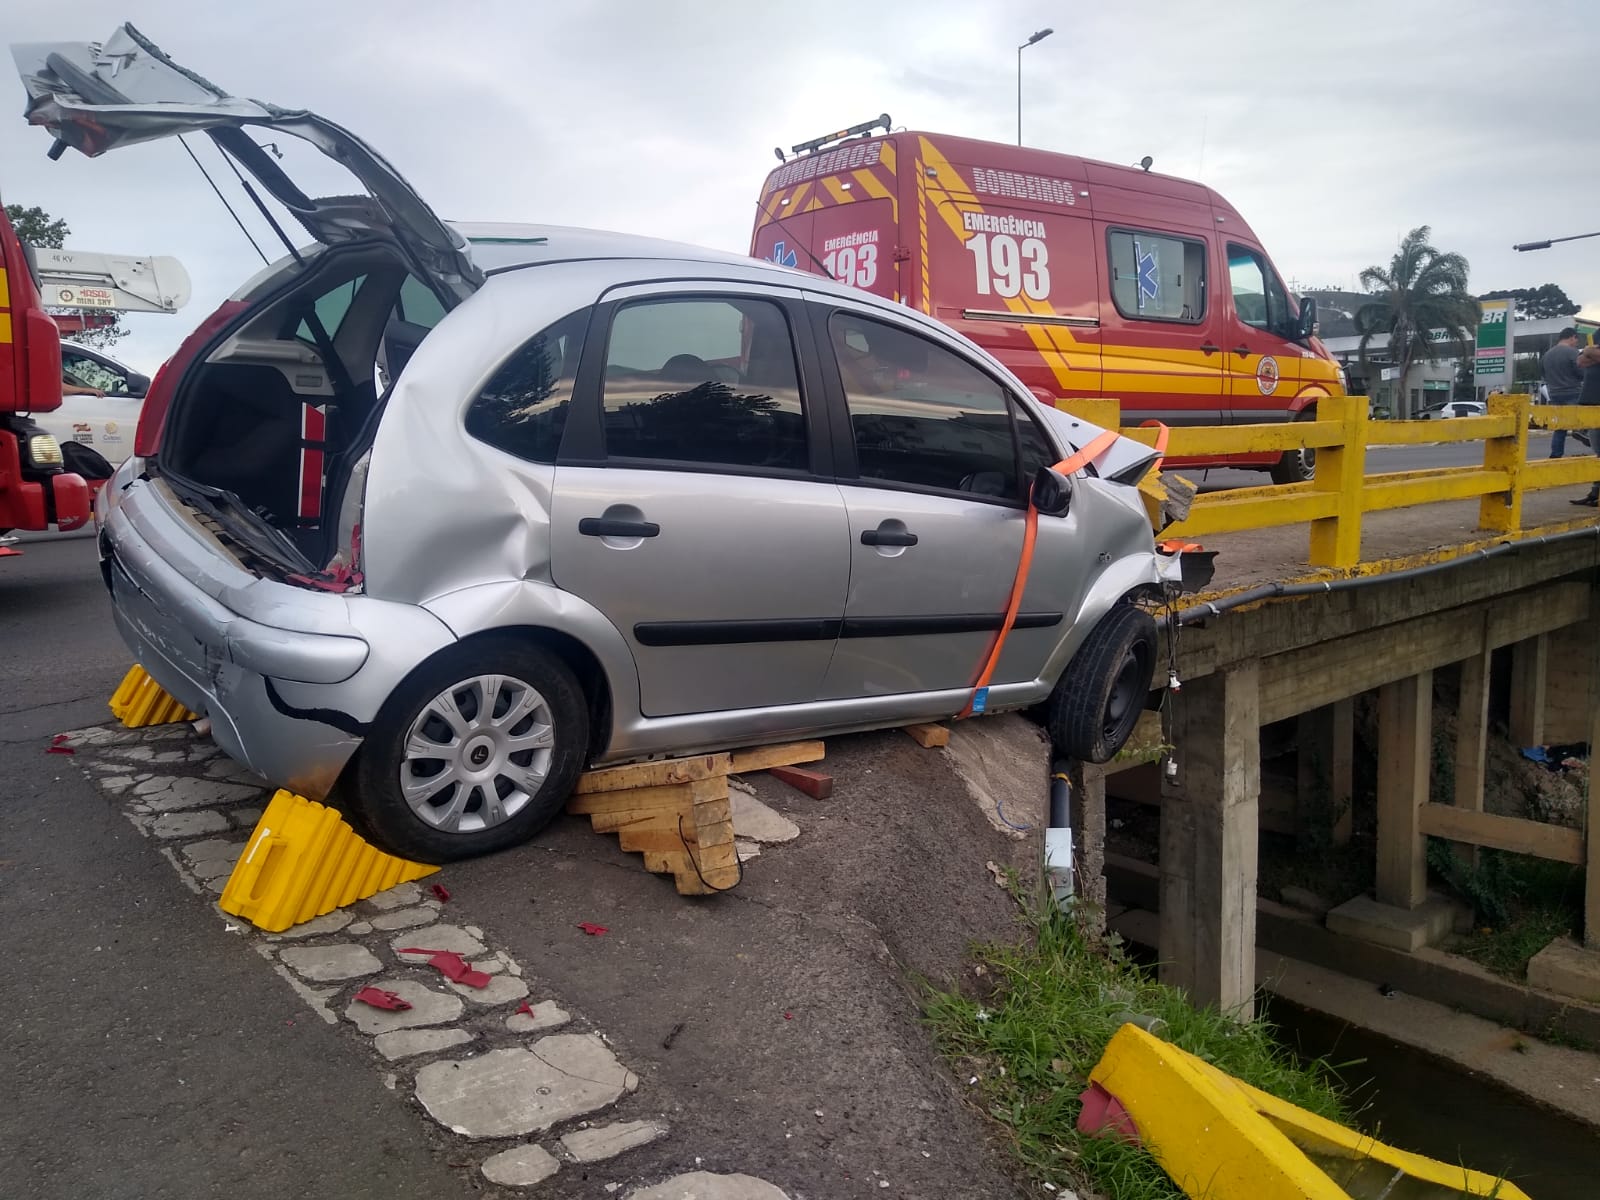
x=1037, y=37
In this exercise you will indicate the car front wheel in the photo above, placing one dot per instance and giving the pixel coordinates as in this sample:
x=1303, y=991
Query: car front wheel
x=1098, y=699
x=1297, y=466
x=475, y=751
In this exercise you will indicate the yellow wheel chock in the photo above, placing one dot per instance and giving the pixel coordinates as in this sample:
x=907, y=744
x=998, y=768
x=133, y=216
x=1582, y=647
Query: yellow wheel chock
x=140, y=701
x=303, y=861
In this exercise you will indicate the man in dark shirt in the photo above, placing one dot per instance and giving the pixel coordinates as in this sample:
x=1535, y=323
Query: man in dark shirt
x=1562, y=380
x=1589, y=364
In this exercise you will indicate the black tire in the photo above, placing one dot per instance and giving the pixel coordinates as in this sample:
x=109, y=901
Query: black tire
x=1297, y=466
x=1098, y=699
x=373, y=794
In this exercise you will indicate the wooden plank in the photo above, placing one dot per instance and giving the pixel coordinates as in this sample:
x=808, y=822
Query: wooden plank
x=815, y=784
x=668, y=796
x=654, y=774
x=1553, y=842
x=713, y=834
x=615, y=822
x=653, y=838
x=1405, y=754
x=760, y=758
x=667, y=862
x=929, y=737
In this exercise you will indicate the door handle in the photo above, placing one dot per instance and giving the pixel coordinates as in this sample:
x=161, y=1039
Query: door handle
x=608, y=527
x=887, y=537
x=1242, y=351
x=1208, y=349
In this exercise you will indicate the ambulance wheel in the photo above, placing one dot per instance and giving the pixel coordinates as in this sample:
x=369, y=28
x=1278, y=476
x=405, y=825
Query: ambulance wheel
x=1297, y=466
x=1098, y=699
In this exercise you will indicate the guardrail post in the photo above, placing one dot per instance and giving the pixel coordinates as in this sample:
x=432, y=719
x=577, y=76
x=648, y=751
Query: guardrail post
x=1501, y=512
x=1336, y=540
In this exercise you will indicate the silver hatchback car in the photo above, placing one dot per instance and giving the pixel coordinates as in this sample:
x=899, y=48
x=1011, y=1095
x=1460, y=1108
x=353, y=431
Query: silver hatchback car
x=427, y=518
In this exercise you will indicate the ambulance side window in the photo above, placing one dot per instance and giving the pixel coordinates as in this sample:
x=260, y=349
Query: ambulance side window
x=1157, y=276
x=1258, y=297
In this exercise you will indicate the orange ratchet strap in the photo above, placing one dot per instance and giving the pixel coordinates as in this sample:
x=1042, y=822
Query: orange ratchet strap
x=1030, y=532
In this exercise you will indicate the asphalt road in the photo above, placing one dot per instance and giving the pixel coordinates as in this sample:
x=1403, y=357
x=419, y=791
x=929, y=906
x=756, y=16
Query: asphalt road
x=149, y=1053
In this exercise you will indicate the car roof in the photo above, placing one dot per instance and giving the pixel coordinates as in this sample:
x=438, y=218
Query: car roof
x=501, y=246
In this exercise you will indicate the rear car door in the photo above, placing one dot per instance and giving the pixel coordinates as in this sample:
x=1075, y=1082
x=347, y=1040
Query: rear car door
x=693, y=503
x=1263, y=366
x=935, y=454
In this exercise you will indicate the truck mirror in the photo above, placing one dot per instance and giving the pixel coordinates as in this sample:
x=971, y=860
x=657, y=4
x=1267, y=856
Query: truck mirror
x=1308, y=319
x=1052, y=492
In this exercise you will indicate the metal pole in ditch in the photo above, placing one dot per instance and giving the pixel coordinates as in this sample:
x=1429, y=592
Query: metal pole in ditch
x=1058, y=838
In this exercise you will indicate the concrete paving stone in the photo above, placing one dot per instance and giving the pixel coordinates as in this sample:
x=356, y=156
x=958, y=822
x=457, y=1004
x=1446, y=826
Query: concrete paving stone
x=490, y=966
x=1566, y=968
x=756, y=822
x=212, y=849
x=172, y=793
x=227, y=769
x=428, y=1007
x=520, y=1166
x=325, y=964
x=608, y=1141
x=98, y=735
x=117, y=784
x=169, y=756
x=405, y=918
x=404, y=1043
x=508, y=1093
x=360, y=928
x=746, y=850
x=546, y=1014
x=501, y=989
x=703, y=1185
x=402, y=895
x=188, y=824
x=327, y=923
x=245, y=818
x=438, y=937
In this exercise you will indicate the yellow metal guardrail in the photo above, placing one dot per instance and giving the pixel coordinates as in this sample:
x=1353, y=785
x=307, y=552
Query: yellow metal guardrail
x=1334, y=502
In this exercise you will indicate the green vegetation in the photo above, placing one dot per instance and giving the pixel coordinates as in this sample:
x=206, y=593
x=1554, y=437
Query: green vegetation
x=1520, y=904
x=1032, y=1043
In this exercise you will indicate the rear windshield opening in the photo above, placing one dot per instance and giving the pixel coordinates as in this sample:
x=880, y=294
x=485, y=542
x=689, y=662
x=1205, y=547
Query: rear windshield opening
x=281, y=413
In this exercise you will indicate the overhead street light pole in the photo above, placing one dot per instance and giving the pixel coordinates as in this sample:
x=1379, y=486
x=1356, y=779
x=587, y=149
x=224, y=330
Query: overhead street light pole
x=1037, y=37
x=1547, y=243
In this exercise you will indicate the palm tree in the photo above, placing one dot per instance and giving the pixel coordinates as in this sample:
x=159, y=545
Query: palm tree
x=1421, y=301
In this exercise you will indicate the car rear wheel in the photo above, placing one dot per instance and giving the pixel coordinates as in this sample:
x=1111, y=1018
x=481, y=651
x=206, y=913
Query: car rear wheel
x=476, y=751
x=1098, y=699
x=1297, y=466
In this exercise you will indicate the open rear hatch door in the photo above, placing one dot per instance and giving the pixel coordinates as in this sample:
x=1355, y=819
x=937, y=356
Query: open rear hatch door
x=96, y=96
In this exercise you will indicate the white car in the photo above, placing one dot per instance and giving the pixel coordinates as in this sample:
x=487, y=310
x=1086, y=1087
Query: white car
x=106, y=423
x=1455, y=408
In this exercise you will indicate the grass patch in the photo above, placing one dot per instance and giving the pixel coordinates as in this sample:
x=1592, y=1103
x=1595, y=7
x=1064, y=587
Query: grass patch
x=1520, y=903
x=1055, y=1005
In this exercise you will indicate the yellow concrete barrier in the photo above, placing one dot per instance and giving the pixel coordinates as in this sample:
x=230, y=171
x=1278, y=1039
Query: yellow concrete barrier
x=140, y=701
x=303, y=861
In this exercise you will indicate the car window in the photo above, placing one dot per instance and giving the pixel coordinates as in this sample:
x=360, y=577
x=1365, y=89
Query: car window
x=331, y=308
x=417, y=305
x=708, y=381
x=1034, y=445
x=1258, y=297
x=87, y=372
x=920, y=414
x=1157, y=276
x=523, y=408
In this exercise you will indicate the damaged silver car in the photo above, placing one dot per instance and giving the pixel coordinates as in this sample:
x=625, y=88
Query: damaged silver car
x=429, y=518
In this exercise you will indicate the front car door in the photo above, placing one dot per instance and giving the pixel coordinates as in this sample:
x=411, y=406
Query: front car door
x=693, y=503
x=1263, y=365
x=936, y=454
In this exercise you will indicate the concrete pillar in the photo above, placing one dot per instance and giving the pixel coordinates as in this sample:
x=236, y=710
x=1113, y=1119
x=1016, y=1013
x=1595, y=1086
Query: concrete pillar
x=1529, y=681
x=1405, y=754
x=1325, y=765
x=1089, y=835
x=1591, y=892
x=1472, y=739
x=1210, y=818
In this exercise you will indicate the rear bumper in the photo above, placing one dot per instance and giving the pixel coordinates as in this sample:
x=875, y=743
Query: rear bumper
x=289, y=678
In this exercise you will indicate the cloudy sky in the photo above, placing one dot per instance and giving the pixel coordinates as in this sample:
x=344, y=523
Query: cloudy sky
x=1334, y=127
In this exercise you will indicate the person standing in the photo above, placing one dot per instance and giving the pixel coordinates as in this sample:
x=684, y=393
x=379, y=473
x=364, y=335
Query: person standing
x=1589, y=394
x=1562, y=380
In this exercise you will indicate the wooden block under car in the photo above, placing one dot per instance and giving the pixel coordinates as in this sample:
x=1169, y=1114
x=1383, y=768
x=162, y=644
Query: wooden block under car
x=813, y=783
x=929, y=737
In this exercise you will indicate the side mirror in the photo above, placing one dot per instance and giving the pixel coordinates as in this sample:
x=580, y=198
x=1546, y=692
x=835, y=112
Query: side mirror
x=1052, y=492
x=1308, y=319
x=138, y=385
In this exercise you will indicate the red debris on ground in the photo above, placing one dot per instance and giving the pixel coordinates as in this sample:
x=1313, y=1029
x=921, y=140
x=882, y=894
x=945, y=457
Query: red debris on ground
x=453, y=967
x=440, y=892
x=379, y=998
x=592, y=929
x=58, y=745
x=524, y=1008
